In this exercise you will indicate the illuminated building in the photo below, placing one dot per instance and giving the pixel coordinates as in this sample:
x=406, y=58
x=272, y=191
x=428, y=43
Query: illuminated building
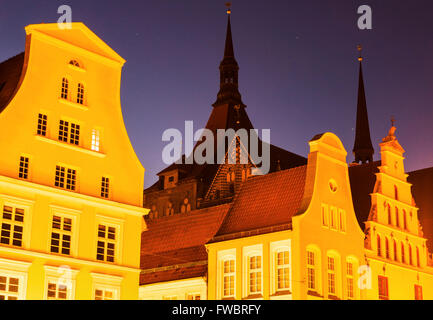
x=70, y=182
x=321, y=229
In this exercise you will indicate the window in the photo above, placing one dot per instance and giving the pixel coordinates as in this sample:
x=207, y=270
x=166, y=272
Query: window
x=418, y=292
x=418, y=260
x=387, y=253
x=73, y=134
x=342, y=216
x=333, y=217
x=331, y=276
x=283, y=270
x=193, y=296
x=63, y=130
x=397, y=218
x=9, y=287
x=395, y=192
x=74, y=63
x=95, y=140
x=186, y=207
x=57, y=291
x=105, y=187
x=12, y=225
x=395, y=251
x=403, y=260
x=104, y=294
x=80, y=94
x=228, y=278
x=61, y=235
x=65, y=89
x=404, y=220
x=325, y=215
x=255, y=274
x=42, y=124
x=379, y=250
x=71, y=178
x=24, y=168
x=350, y=280
x=389, y=215
x=311, y=271
x=410, y=254
x=383, y=288
x=106, y=243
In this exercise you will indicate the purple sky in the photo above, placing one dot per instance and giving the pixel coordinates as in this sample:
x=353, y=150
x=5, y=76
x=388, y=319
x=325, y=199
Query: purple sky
x=298, y=67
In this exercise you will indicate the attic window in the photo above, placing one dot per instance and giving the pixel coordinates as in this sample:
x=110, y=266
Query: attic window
x=171, y=179
x=75, y=63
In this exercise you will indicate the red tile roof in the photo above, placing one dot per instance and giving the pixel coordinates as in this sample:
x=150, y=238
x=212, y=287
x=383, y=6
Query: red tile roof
x=182, y=230
x=266, y=201
x=175, y=246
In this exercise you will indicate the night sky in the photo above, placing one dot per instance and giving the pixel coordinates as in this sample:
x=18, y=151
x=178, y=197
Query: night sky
x=298, y=66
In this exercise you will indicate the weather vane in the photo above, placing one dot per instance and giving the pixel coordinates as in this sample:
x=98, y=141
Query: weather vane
x=228, y=5
x=359, y=47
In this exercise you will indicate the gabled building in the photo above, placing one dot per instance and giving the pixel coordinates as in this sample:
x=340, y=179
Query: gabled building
x=70, y=182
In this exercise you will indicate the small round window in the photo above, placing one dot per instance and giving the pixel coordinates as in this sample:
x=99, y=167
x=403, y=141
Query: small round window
x=333, y=185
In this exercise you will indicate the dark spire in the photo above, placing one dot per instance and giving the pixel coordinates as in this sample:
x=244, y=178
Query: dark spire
x=229, y=93
x=363, y=149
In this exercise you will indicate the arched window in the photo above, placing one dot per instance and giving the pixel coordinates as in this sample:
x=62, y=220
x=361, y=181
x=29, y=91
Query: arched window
x=402, y=253
x=65, y=89
x=410, y=254
x=74, y=63
x=395, y=250
x=389, y=214
x=379, y=250
x=186, y=207
x=397, y=219
x=80, y=94
x=387, y=248
x=395, y=192
x=404, y=220
x=418, y=260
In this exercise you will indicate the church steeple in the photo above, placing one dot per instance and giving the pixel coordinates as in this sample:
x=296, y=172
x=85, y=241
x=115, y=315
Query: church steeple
x=363, y=149
x=229, y=93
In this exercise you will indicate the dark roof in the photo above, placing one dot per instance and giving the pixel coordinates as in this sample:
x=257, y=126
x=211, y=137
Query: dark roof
x=10, y=74
x=422, y=190
x=362, y=180
x=266, y=201
x=175, y=245
x=363, y=149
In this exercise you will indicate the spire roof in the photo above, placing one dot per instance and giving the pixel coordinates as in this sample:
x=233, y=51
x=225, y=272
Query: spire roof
x=229, y=70
x=363, y=148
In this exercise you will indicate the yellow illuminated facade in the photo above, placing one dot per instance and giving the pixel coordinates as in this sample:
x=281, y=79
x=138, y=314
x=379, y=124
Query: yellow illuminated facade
x=70, y=182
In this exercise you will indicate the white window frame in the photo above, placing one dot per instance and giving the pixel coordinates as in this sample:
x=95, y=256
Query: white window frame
x=106, y=282
x=116, y=223
x=27, y=205
x=275, y=248
x=62, y=275
x=247, y=252
x=16, y=269
x=72, y=214
x=222, y=256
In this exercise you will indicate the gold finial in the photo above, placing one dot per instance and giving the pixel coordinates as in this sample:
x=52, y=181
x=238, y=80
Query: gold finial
x=359, y=47
x=229, y=5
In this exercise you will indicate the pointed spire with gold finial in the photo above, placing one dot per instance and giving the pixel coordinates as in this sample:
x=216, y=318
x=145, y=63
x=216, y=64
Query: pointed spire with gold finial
x=363, y=149
x=228, y=93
